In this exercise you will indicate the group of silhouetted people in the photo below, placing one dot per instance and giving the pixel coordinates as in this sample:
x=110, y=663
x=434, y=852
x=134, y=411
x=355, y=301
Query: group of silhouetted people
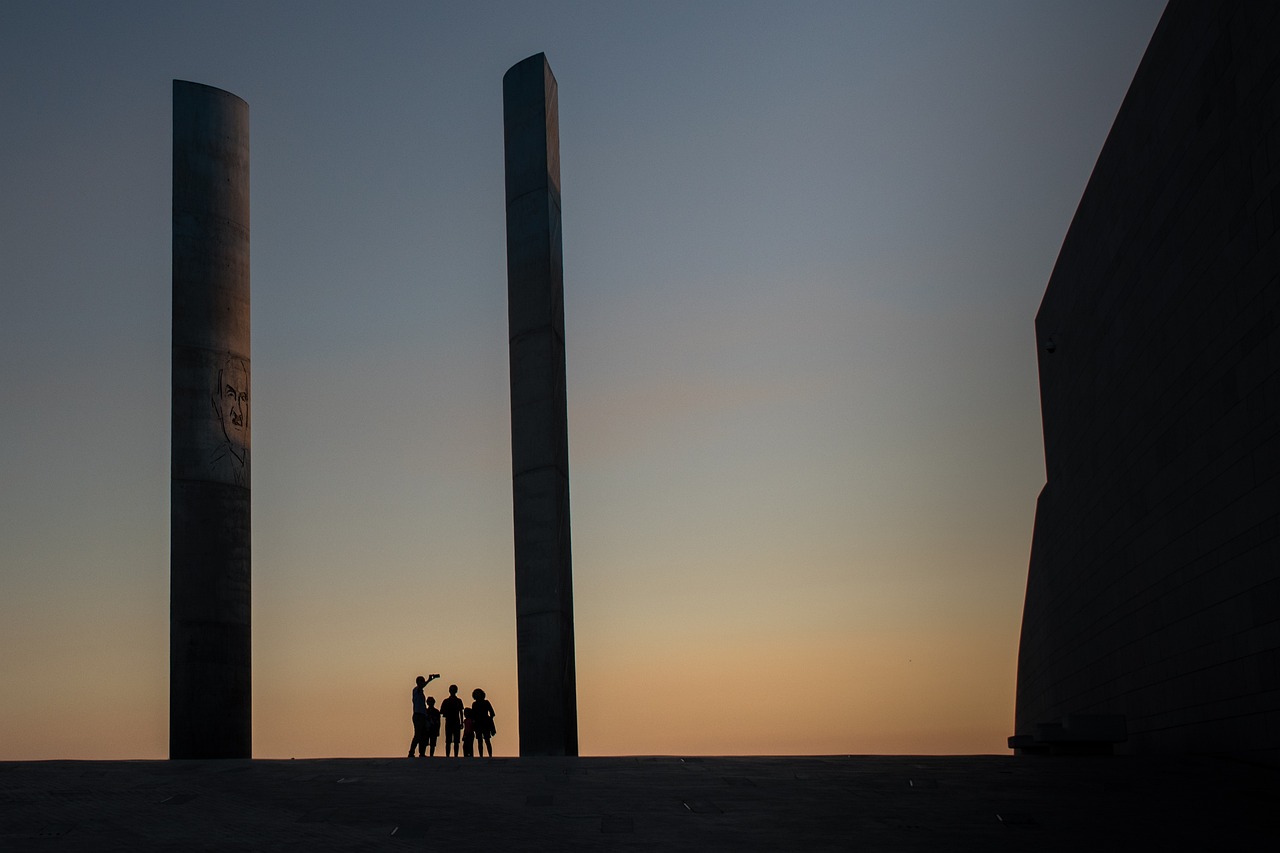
x=471, y=727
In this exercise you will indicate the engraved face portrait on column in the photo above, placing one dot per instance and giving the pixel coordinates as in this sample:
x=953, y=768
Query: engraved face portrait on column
x=230, y=399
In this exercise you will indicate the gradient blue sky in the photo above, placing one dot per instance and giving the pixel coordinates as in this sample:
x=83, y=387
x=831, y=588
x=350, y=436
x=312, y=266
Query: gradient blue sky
x=804, y=243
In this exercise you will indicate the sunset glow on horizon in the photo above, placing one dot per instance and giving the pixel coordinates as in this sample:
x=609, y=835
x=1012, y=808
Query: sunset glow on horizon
x=803, y=247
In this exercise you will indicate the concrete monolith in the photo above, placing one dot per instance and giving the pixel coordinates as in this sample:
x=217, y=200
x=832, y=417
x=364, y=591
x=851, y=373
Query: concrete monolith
x=1153, y=591
x=539, y=421
x=209, y=653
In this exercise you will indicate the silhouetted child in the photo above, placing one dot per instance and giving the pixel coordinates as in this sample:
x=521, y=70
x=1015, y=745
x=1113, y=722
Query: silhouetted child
x=433, y=723
x=451, y=711
x=482, y=715
x=468, y=733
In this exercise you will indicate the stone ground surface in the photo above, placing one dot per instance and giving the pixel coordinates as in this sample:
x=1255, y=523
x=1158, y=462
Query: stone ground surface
x=988, y=803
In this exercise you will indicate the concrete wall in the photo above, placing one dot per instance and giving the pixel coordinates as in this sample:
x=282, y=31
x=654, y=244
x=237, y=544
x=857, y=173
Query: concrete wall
x=209, y=689
x=539, y=415
x=1154, y=584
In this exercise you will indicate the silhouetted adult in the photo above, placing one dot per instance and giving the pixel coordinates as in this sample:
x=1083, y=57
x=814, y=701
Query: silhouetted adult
x=419, y=720
x=451, y=710
x=482, y=715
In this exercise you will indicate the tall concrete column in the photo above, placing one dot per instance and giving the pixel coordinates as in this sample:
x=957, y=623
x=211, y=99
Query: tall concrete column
x=209, y=654
x=539, y=420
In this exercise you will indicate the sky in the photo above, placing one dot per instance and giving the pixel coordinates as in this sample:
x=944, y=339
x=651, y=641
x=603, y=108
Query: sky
x=804, y=244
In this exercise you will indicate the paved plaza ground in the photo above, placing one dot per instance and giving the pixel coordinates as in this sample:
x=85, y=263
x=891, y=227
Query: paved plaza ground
x=987, y=803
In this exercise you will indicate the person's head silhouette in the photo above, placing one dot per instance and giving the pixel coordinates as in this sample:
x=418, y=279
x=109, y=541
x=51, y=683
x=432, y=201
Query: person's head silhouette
x=477, y=694
x=431, y=701
x=453, y=690
x=421, y=681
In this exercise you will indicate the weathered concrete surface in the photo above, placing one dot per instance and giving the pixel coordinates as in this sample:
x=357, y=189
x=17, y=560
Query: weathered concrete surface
x=539, y=418
x=1154, y=584
x=209, y=649
x=875, y=803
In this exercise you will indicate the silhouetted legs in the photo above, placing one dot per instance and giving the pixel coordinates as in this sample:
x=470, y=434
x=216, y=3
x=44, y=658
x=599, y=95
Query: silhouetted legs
x=420, y=736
